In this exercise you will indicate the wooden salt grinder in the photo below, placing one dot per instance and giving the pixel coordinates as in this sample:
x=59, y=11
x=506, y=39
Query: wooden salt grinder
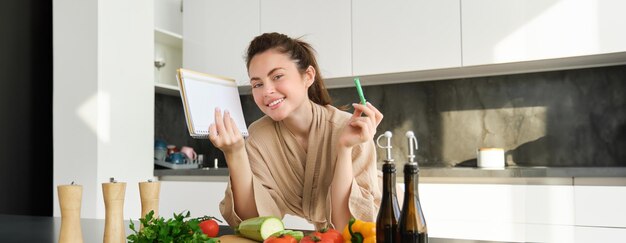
x=70, y=197
x=149, y=192
x=114, y=193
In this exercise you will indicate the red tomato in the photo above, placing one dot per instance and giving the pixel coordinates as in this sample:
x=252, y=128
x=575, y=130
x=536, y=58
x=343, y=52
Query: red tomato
x=332, y=235
x=312, y=238
x=281, y=239
x=209, y=227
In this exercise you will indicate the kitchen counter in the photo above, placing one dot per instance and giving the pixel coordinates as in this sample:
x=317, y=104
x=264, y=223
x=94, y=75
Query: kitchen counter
x=192, y=172
x=20, y=228
x=472, y=173
x=519, y=171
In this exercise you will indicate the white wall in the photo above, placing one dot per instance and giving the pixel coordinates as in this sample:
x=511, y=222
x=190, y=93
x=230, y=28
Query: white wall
x=103, y=98
x=75, y=39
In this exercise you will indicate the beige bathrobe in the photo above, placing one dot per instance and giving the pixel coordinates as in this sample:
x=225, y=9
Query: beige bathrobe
x=288, y=180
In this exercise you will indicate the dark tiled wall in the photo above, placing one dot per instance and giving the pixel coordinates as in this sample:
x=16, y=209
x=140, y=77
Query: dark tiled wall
x=561, y=118
x=170, y=125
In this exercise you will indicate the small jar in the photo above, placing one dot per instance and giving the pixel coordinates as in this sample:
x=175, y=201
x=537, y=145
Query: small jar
x=171, y=149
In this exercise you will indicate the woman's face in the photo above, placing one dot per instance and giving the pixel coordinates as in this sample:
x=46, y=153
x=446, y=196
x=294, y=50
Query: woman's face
x=278, y=87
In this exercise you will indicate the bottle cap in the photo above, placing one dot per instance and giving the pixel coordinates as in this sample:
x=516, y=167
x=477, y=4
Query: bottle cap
x=389, y=168
x=388, y=147
x=411, y=168
x=413, y=146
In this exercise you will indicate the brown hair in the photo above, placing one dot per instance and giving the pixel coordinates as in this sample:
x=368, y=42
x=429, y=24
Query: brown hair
x=300, y=52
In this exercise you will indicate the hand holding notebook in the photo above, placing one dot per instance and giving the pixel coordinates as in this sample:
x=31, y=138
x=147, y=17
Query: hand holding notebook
x=201, y=94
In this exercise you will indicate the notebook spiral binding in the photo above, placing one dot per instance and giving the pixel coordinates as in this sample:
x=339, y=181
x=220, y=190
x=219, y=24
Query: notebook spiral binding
x=205, y=134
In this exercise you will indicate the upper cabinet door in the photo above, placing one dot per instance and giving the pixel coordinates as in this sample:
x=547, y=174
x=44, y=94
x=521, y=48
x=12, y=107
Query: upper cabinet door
x=501, y=31
x=325, y=24
x=216, y=35
x=168, y=16
x=407, y=35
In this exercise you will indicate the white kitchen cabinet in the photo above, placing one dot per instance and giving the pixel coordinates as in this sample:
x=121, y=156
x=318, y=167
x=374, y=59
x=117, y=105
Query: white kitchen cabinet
x=405, y=36
x=584, y=234
x=504, y=31
x=533, y=204
x=168, y=16
x=600, y=206
x=199, y=197
x=217, y=34
x=168, y=44
x=203, y=198
x=324, y=24
x=168, y=51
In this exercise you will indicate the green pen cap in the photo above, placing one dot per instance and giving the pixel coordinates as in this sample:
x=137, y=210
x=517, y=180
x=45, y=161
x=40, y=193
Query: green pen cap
x=359, y=90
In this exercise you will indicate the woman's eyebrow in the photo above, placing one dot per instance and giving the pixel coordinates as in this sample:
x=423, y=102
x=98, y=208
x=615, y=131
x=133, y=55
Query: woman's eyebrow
x=274, y=70
x=268, y=74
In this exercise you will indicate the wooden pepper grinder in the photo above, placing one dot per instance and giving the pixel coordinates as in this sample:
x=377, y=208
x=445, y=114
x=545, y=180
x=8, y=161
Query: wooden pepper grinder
x=114, y=193
x=70, y=197
x=149, y=192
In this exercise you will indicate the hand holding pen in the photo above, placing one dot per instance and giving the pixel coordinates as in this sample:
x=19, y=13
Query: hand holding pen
x=361, y=128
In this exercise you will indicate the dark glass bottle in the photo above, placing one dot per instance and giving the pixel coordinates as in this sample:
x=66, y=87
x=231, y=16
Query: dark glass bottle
x=389, y=212
x=412, y=226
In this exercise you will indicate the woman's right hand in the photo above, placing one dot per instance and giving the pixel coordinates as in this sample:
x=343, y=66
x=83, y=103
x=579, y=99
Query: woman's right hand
x=224, y=133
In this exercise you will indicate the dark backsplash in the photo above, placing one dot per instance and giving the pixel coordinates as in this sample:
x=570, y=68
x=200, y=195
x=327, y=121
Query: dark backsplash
x=560, y=118
x=170, y=126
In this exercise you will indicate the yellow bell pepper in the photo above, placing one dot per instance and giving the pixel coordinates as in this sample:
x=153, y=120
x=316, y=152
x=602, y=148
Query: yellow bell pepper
x=358, y=231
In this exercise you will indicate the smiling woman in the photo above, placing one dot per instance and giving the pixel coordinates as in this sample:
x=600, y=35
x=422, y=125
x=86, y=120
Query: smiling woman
x=300, y=147
x=277, y=83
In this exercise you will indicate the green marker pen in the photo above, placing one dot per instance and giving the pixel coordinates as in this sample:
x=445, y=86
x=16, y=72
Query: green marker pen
x=359, y=90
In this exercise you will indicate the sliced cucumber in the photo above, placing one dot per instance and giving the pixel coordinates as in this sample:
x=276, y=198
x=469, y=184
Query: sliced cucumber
x=260, y=228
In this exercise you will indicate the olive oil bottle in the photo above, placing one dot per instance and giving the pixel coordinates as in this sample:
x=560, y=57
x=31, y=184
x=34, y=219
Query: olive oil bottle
x=389, y=212
x=412, y=226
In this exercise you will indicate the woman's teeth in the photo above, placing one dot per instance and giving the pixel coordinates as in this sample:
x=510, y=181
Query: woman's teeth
x=276, y=102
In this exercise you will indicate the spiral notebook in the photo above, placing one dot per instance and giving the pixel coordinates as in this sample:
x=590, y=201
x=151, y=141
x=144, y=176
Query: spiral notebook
x=201, y=94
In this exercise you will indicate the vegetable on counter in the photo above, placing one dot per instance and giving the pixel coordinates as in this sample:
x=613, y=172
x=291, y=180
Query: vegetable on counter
x=259, y=228
x=324, y=235
x=209, y=225
x=358, y=231
x=298, y=235
x=172, y=230
x=281, y=238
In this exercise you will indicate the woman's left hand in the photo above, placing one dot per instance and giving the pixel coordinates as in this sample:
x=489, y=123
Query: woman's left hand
x=360, y=128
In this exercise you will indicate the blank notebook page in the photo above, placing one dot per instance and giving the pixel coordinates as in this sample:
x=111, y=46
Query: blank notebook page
x=201, y=94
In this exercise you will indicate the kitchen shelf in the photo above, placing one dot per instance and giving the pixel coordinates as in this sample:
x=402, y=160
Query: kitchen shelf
x=176, y=166
x=168, y=38
x=166, y=89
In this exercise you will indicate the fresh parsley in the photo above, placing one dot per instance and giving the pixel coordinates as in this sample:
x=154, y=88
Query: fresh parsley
x=173, y=230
